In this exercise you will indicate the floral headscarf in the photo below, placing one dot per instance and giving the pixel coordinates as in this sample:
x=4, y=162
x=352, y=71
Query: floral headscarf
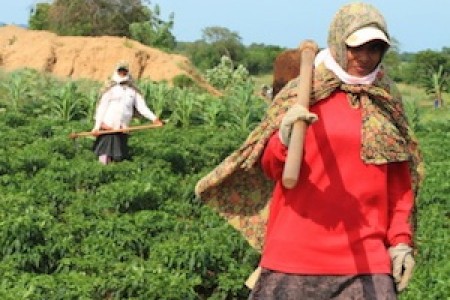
x=237, y=188
x=347, y=20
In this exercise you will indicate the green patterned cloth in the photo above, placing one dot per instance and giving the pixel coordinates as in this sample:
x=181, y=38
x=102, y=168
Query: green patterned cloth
x=238, y=190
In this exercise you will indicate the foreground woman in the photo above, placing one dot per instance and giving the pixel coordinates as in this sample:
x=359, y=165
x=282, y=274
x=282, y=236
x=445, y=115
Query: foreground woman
x=345, y=228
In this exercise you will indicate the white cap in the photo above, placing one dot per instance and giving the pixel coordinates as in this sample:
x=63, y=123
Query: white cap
x=123, y=64
x=364, y=35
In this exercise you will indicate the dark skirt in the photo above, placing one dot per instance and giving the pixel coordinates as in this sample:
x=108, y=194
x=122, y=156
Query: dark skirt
x=280, y=286
x=113, y=145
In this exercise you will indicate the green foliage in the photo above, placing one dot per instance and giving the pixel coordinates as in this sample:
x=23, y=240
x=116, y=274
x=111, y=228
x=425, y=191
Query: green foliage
x=392, y=62
x=224, y=75
x=156, y=95
x=71, y=228
x=39, y=17
x=243, y=108
x=223, y=41
x=69, y=103
x=215, y=43
x=130, y=18
x=211, y=112
x=154, y=32
x=433, y=267
x=423, y=65
x=439, y=84
x=74, y=229
x=184, y=109
x=413, y=114
x=200, y=53
x=259, y=58
x=18, y=90
x=183, y=81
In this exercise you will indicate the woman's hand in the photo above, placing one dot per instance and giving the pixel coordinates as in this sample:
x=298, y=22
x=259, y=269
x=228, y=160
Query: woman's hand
x=95, y=132
x=103, y=126
x=402, y=265
x=158, y=122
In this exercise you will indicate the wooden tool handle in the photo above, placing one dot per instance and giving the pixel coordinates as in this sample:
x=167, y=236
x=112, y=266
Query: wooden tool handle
x=291, y=171
x=100, y=132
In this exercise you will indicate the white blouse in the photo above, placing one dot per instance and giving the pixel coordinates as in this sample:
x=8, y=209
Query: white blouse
x=117, y=105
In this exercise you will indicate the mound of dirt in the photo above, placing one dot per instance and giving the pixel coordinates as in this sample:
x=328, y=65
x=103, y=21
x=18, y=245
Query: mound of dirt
x=89, y=57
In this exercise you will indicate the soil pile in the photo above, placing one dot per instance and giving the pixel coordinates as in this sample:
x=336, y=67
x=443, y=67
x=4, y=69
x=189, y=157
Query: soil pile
x=89, y=57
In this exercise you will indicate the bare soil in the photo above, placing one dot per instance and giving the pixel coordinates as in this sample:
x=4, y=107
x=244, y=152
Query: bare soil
x=89, y=57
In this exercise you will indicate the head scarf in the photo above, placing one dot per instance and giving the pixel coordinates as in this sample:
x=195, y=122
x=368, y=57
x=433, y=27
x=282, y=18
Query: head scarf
x=237, y=188
x=116, y=78
x=347, y=20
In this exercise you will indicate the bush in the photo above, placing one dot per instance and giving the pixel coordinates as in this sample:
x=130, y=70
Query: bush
x=183, y=81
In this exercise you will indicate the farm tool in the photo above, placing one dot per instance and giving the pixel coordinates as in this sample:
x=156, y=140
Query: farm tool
x=75, y=135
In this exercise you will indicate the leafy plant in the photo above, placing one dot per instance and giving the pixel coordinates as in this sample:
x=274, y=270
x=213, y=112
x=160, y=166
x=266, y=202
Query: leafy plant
x=225, y=75
x=243, y=109
x=18, y=91
x=156, y=95
x=68, y=104
x=439, y=84
x=183, y=81
x=211, y=112
x=184, y=109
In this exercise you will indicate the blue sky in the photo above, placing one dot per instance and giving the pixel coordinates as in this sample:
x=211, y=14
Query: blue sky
x=417, y=24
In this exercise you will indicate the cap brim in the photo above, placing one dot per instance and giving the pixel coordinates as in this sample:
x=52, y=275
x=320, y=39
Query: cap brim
x=364, y=35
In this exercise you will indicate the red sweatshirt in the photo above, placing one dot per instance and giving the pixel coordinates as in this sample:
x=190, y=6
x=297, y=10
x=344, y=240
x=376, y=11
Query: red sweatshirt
x=343, y=213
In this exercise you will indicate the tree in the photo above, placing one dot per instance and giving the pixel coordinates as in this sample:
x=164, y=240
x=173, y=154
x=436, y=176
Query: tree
x=95, y=17
x=216, y=42
x=430, y=70
x=39, y=16
x=128, y=18
x=392, y=60
x=223, y=42
x=202, y=55
x=438, y=85
x=259, y=58
x=154, y=32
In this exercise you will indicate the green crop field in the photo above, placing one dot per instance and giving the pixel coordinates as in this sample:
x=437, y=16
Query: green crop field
x=71, y=228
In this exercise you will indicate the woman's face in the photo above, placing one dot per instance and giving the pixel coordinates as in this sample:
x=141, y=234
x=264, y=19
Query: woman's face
x=122, y=72
x=362, y=60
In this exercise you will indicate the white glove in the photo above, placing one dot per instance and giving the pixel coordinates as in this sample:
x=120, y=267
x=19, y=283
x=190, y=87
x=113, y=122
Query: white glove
x=253, y=278
x=402, y=265
x=295, y=113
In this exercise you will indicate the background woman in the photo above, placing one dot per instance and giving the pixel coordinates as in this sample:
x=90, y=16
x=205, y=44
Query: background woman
x=115, y=110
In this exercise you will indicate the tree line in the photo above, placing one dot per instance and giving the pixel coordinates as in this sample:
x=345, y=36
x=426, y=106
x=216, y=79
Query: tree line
x=140, y=21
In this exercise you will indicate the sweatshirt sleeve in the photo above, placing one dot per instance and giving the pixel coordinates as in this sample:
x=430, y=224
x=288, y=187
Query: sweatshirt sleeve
x=401, y=202
x=100, y=111
x=273, y=158
x=143, y=109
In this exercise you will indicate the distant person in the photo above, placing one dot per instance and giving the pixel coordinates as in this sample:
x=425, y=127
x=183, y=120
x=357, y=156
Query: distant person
x=119, y=99
x=264, y=89
x=269, y=93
